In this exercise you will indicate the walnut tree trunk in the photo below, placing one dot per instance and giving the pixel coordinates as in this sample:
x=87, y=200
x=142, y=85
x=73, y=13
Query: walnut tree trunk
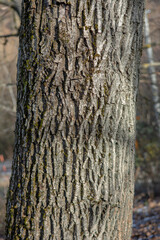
x=73, y=167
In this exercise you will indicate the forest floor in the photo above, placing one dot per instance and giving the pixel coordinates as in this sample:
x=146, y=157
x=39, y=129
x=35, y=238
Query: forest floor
x=146, y=218
x=146, y=212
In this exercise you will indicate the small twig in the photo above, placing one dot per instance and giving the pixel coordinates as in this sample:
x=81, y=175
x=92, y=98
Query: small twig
x=10, y=35
x=11, y=111
x=7, y=84
x=13, y=5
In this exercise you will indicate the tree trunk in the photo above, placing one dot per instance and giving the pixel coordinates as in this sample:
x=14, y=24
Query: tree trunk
x=153, y=77
x=73, y=167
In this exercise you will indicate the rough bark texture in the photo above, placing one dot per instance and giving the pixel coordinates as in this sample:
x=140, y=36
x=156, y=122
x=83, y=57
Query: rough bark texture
x=73, y=168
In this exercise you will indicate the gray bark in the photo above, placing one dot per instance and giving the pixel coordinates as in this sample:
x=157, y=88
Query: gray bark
x=73, y=167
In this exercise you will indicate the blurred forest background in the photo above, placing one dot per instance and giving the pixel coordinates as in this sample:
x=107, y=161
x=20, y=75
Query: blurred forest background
x=147, y=172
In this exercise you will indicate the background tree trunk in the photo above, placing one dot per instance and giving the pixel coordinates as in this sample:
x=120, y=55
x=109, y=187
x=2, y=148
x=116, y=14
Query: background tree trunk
x=73, y=168
x=152, y=73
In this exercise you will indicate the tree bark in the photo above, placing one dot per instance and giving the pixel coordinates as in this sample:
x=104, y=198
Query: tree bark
x=73, y=167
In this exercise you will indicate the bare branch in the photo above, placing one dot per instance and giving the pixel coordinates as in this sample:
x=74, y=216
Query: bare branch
x=147, y=65
x=10, y=88
x=8, y=109
x=15, y=5
x=9, y=35
x=7, y=84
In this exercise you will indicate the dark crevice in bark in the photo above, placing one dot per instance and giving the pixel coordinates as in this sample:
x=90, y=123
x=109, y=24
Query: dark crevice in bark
x=66, y=202
x=66, y=186
x=75, y=232
x=64, y=80
x=65, y=153
x=38, y=187
x=90, y=218
x=83, y=18
x=41, y=224
x=48, y=193
x=57, y=35
x=50, y=86
x=67, y=127
x=77, y=7
x=60, y=223
x=52, y=225
x=52, y=162
x=45, y=163
x=76, y=129
x=66, y=58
